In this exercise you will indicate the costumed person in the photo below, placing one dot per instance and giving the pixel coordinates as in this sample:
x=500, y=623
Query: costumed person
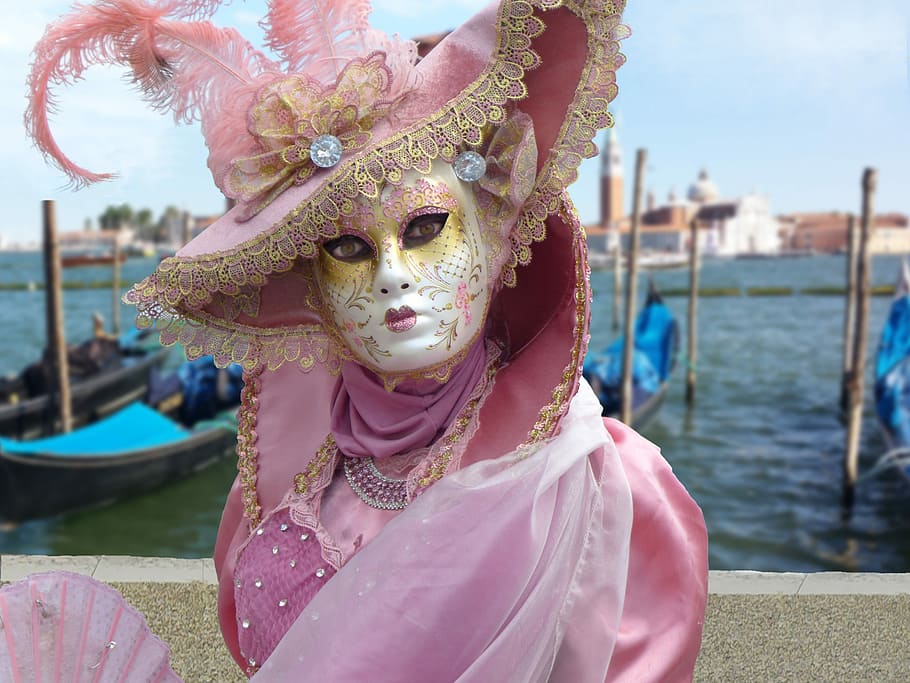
x=426, y=489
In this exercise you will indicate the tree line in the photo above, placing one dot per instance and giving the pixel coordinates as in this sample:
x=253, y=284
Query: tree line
x=142, y=221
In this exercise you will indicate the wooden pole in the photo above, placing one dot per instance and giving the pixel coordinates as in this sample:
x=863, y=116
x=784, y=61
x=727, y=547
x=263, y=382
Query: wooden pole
x=187, y=232
x=632, y=289
x=693, y=312
x=858, y=371
x=56, y=337
x=853, y=237
x=115, y=302
x=617, y=281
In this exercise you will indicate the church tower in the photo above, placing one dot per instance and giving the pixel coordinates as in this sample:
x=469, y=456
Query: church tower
x=611, y=182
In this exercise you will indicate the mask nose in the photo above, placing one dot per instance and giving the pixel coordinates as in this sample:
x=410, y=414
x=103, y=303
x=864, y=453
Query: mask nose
x=403, y=285
x=392, y=276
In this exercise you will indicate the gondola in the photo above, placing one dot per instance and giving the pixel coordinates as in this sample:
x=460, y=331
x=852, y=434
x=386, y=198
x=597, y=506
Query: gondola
x=892, y=379
x=653, y=360
x=105, y=375
x=140, y=447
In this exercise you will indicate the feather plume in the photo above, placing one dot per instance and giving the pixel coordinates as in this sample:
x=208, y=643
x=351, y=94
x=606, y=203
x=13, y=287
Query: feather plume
x=400, y=57
x=213, y=75
x=317, y=36
x=190, y=68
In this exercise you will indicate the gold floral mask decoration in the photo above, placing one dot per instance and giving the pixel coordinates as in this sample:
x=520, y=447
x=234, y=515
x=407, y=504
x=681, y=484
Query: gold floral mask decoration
x=291, y=113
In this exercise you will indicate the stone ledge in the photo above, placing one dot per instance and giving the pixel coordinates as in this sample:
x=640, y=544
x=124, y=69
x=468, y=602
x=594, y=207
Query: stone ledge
x=745, y=582
x=128, y=569
x=111, y=568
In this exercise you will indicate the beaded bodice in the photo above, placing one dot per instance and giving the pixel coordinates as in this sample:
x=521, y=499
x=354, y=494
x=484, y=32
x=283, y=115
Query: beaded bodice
x=278, y=572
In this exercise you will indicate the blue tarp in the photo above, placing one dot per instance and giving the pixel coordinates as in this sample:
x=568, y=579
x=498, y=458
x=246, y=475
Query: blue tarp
x=894, y=345
x=652, y=359
x=892, y=372
x=206, y=389
x=135, y=427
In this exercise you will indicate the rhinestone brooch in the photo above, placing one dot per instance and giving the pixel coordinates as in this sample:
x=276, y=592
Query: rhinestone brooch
x=469, y=166
x=325, y=151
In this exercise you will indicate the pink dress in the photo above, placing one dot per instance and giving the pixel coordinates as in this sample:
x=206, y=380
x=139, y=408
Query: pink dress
x=583, y=561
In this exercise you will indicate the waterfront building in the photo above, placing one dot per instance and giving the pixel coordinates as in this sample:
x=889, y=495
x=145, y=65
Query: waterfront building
x=727, y=227
x=826, y=232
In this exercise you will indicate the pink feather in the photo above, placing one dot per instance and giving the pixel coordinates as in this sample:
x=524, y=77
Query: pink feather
x=400, y=56
x=213, y=76
x=192, y=69
x=317, y=36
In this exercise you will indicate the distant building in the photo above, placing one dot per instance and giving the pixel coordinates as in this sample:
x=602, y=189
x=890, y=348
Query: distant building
x=826, y=232
x=611, y=182
x=726, y=227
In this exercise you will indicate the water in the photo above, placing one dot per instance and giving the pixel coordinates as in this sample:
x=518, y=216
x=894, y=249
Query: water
x=761, y=451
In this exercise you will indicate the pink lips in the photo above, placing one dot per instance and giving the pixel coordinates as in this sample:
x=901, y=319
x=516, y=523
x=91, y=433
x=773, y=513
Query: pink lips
x=401, y=319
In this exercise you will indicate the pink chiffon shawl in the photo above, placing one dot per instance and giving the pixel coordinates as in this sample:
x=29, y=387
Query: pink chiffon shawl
x=515, y=569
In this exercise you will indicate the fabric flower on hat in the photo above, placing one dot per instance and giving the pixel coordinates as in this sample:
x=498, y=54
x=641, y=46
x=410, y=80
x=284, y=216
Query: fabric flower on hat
x=290, y=113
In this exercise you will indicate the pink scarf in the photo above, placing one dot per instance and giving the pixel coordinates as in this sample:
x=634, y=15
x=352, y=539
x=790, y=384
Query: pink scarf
x=367, y=420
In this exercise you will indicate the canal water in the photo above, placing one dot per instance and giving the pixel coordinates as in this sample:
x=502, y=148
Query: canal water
x=761, y=451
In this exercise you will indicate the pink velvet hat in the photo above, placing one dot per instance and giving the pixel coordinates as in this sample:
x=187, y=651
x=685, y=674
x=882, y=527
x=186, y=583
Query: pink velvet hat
x=525, y=83
x=229, y=292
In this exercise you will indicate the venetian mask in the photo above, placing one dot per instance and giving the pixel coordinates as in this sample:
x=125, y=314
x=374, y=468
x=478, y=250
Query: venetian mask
x=406, y=282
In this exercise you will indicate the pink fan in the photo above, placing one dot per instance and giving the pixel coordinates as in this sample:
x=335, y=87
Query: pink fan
x=59, y=626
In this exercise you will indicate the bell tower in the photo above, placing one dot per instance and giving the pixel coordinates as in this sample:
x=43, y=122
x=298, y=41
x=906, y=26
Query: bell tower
x=611, y=181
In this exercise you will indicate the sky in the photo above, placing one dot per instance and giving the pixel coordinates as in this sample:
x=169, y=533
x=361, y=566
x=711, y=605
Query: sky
x=791, y=99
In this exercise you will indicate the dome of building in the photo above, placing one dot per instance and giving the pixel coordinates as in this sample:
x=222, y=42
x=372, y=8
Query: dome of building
x=703, y=190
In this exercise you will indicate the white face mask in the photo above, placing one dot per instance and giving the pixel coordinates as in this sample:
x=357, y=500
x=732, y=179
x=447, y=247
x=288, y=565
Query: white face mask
x=406, y=283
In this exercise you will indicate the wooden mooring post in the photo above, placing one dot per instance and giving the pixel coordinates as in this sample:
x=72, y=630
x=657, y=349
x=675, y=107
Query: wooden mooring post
x=56, y=337
x=617, y=281
x=115, y=287
x=692, y=349
x=187, y=230
x=853, y=238
x=860, y=341
x=632, y=289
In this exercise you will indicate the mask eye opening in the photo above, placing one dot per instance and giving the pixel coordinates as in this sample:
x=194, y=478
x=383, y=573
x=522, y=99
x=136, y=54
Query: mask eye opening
x=423, y=228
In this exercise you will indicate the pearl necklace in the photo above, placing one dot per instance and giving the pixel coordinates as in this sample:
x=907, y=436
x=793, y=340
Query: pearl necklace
x=373, y=487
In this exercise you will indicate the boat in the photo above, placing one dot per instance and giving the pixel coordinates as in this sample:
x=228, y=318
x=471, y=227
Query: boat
x=104, y=258
x=892, y=379
x=105, y=374
x=647, y=260
x=93, y=247
x=653, y=360
x=142, y=446
x=663, y=260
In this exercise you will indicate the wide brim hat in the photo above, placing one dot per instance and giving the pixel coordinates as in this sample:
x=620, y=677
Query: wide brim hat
x=235, y=292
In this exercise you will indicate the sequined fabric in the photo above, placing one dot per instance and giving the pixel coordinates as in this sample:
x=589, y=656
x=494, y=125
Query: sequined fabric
x=278, y=572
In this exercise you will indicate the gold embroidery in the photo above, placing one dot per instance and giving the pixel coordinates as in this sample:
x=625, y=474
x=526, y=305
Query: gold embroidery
x=326, y=454
x=247, y=453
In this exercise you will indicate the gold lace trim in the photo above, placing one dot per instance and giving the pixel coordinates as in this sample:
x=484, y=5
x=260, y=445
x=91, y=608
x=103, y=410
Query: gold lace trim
x=550, y=414
x=247, y=452
x=188, y=284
